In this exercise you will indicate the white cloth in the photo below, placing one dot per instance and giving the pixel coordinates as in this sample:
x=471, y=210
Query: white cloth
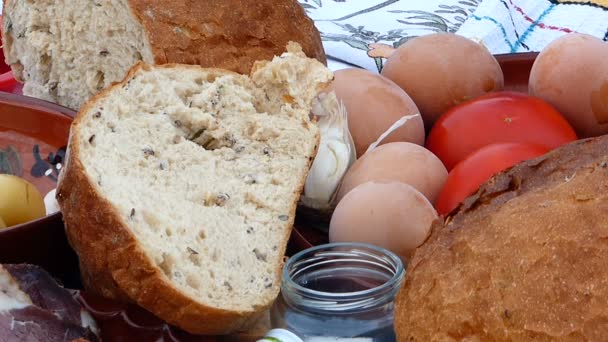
x=350, y=28
x=356, y=32
x=529, y=25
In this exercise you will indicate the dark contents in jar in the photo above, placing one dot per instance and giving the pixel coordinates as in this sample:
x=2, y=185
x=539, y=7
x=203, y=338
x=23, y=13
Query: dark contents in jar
x=342, y=290
x=344, y=280
x=341, y=281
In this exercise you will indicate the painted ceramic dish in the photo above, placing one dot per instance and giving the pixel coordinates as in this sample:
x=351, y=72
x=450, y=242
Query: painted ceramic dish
x=33, y=137
x=126, y=322
x=311, y=226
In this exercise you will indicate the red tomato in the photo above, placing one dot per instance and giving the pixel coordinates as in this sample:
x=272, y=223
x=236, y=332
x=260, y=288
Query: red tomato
x=466, y=177
x=495, y=118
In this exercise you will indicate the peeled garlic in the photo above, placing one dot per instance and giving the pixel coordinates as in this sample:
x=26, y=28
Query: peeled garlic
x=335, y=156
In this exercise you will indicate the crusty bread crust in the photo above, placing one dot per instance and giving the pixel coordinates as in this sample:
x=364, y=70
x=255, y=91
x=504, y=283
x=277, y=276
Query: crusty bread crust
x=113, y=263
x=522, y=259
x=197, y=34
x=226, y=34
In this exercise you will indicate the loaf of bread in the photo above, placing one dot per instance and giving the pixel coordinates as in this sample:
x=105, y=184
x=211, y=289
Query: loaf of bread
x=523, y=259
x=67, y=51
x=181, y=184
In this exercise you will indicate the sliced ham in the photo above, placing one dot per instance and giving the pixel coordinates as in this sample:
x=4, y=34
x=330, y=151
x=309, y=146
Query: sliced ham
x=34, y=307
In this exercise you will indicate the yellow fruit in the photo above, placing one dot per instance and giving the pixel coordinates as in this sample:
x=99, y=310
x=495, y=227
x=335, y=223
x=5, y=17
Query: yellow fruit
x=2, y=224
x=20, y=201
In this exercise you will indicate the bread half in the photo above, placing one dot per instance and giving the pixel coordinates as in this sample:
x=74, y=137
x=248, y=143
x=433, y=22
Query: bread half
x=65, y=51
x=523, y=259
x=181, y=184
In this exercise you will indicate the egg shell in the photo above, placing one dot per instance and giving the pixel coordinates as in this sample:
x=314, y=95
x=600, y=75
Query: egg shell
x=374, y=103
x=391, y=215
x=571, y=73
x=398, y=162
x=441, y=70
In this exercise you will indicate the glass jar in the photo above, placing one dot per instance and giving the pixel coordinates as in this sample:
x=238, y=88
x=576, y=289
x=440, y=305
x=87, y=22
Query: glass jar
x=341, y=290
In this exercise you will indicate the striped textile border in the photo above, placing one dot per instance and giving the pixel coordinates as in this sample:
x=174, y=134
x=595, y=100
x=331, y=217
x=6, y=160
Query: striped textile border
x=591, y=3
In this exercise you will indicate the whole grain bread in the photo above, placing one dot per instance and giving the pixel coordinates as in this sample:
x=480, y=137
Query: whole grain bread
x=66, y=51
x=523, y=259
x=181, y=183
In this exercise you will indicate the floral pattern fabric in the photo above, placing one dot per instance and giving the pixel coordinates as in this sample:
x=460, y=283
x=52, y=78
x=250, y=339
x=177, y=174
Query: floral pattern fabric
x=363, y=33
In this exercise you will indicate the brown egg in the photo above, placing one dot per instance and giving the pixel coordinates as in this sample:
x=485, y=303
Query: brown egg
x=571, y=73
x=398, y=162
x=374, y=103
x=391, y=215
x=442, y=70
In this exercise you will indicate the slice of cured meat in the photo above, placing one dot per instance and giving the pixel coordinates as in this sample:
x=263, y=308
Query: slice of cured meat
x=33, y=307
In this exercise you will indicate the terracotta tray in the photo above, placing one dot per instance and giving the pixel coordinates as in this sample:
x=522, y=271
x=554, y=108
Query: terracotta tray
x=33, y=136
x=43, y=242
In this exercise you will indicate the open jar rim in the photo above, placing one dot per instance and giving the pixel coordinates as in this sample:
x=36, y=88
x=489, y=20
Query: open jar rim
x=360, y=253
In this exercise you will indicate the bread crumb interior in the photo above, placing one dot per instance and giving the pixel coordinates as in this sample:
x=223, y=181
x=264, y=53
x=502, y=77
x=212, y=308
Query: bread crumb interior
x=73, y=40
x=203, y=174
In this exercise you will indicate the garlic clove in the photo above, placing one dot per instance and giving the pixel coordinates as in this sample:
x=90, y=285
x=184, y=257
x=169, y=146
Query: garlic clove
x=330, y=167
x=335, y=155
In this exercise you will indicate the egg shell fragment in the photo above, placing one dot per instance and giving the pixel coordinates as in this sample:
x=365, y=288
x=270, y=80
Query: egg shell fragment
x=391, y=215
x=374, y=103
x=571, y=73
x=398, y=162
x=442, y=70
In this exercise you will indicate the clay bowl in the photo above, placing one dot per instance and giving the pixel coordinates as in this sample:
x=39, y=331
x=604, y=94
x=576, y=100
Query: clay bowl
x=33, y=137
x=311, y=226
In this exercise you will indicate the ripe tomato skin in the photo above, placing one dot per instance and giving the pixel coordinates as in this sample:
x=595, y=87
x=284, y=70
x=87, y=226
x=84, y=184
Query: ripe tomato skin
x=468, y=175
x=494, y=118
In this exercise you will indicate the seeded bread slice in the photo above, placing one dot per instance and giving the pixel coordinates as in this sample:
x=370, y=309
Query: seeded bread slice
x=181, y=184
x=65, y=51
